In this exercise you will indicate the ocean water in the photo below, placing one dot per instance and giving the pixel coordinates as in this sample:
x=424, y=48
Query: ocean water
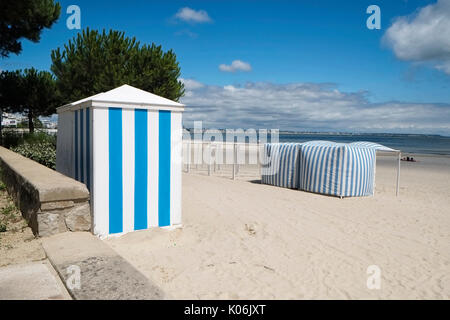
x=407, y=143
x=410, y=143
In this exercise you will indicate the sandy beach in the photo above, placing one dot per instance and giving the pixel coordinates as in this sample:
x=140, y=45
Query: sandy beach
x=244, y=240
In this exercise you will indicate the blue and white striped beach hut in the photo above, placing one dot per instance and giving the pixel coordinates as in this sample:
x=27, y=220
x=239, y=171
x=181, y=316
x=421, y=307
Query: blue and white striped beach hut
x=125, y=145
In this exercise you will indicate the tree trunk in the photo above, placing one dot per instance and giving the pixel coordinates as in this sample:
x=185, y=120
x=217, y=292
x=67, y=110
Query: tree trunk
x=30, y=122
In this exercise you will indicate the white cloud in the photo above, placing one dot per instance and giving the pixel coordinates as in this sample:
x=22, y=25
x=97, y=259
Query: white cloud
x=308, y=106
x=423, y=36
x=236, y=65
x=186, y=32
x=191, y=84
x=193, y=16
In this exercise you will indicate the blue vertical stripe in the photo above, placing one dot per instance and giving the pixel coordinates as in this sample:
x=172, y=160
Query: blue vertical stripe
x=364, y=173
x=325, y=171
x=164, y=168
x=320, y=167
x=342, y=184
x=354, y=181
x=76, y=144
x=304, y=163
x=337, y=171
x=140, y=167
x=331, y=172
x=88, y=148
x=81, y=146
x=282, y=160
x=359, y=176
x=312, y=168
x=347, y=173
x=115, y=171
x=315, y=168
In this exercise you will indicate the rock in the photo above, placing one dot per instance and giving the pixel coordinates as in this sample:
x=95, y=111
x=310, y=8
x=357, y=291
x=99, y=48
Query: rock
x=48, y=223
x=47, y=206
x=79, y=218
x=49, y=201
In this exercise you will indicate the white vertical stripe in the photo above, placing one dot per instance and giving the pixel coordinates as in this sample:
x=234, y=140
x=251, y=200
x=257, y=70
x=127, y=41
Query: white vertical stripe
x=344, y=171
x=128, y=169
x=100, y=188
x=353, y=171
x=91, y=145
x=85, y=159
x=77, y=146
x=175, y=168
x=374, y=170
x=153, y=168
x=340, y=172
x=315, y=168
x=326, y=172
x=334, y=176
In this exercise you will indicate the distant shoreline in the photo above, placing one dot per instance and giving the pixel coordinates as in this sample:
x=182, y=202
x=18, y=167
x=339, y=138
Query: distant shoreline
x=337, y=133
x=403, y=151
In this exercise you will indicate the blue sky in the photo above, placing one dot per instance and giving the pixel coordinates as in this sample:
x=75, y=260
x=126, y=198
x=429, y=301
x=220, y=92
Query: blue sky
x=321, y=49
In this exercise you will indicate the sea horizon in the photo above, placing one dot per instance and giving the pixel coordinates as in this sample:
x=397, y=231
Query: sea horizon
x=416, y=143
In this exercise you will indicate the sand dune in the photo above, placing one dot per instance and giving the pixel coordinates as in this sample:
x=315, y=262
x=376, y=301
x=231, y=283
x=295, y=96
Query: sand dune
x=244, y=240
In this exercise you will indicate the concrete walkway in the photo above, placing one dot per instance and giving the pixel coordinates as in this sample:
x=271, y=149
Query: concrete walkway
x=31, y=281
x=92, y=270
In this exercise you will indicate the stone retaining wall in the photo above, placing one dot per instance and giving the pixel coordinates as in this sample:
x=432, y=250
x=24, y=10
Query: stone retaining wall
x=49, y=201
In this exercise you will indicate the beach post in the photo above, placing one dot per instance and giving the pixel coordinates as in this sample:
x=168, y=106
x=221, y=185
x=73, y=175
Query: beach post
x=398, y=174
x=260, y=164
x=188, y=157
x=237, y=162
x=234, y=161
x=215, y=155
x=209, y=158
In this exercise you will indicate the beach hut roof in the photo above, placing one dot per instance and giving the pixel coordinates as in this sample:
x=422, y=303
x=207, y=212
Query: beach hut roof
x=124, y=96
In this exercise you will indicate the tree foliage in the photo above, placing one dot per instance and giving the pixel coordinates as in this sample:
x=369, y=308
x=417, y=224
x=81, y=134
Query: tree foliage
x=24, y=19
x=29, y=92
x=94, y=62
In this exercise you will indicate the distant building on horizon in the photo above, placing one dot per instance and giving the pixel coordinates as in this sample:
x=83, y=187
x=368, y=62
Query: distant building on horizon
x=10, y=120
x=14, y=119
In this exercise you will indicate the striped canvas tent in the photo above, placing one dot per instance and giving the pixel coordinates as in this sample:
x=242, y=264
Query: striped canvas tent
x=281, y=165
x=125, y=145
x=338, y=169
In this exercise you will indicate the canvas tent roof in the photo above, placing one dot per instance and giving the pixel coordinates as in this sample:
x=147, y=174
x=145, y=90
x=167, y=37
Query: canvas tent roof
x=359, y=144
x=365, y=152
x=127, y=97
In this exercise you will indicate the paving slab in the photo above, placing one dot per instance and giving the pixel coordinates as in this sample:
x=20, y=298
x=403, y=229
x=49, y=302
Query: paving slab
x=31, y=281
x=103, y=274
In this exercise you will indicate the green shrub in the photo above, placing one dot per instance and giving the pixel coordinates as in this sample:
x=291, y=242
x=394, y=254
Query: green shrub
x=39, y=137
x=38, y=146
x=2, y=227
x=8, y=210
x=43, y=152
x=11, y=138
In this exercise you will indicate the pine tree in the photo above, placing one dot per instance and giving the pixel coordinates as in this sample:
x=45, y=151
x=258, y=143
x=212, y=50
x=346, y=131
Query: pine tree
x=94, y=62
x=29, y=92
x=24, y=19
